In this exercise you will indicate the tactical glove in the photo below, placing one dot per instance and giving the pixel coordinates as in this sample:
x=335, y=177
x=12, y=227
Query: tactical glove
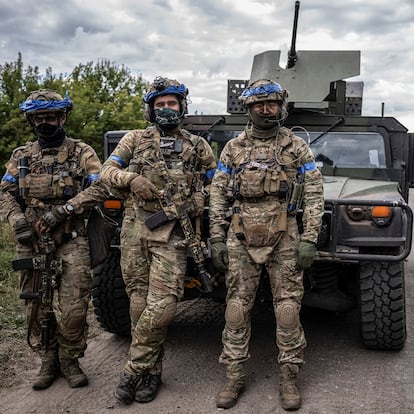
x=306, y=254
x=24, y=232
x=198, y=203
x=54, y=217
x=143, y=188
x=219, y=254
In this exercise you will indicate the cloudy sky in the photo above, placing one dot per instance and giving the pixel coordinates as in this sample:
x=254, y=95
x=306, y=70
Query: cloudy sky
x=204, y=43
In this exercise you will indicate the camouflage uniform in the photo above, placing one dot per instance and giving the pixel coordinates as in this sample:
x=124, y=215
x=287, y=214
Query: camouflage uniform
x=154, y=262
x=56, y=176
x=252, y=176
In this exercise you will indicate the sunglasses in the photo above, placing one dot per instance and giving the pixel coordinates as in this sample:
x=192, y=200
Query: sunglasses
x=39, y=119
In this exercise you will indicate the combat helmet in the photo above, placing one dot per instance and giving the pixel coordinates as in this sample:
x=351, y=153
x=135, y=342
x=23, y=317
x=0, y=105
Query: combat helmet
x=164, y=86
x=265, y=90
x=45, y=100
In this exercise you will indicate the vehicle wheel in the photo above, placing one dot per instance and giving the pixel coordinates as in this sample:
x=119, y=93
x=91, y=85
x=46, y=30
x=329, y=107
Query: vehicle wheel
x=110, y=301
x=382, y=305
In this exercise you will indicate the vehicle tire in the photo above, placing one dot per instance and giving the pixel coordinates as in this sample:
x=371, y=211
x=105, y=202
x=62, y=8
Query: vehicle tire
x=382, y=305
x=110, y=301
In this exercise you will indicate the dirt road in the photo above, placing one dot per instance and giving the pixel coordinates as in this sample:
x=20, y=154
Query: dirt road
x=339, y=377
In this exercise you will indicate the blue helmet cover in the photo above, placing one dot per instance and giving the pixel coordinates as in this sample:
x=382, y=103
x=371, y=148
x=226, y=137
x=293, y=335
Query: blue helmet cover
x=39, y=105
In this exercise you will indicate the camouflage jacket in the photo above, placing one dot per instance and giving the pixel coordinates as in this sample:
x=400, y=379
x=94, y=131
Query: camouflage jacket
x=256, y=176
x=36, y=179
x=188, y=158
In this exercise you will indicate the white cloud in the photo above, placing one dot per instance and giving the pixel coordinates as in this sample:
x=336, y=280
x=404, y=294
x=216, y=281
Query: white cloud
x=205, y=43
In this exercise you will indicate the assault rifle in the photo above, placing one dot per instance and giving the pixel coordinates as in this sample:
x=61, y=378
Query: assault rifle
x=47, y=270
x=174, y=207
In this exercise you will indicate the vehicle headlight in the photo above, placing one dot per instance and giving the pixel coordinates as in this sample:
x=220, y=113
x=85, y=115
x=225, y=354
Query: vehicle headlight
x=380, y=215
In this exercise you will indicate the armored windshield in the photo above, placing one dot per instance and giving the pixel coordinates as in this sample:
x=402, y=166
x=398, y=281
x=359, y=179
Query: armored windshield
x=347, y=149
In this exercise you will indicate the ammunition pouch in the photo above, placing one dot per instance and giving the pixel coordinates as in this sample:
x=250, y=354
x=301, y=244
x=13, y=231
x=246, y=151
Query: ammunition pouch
x=256, y=183
x=49, y=186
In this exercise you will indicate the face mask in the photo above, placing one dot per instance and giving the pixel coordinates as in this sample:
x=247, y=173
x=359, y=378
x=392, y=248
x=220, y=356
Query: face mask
x=50, y=136
x=167, y=118
x=46, y=130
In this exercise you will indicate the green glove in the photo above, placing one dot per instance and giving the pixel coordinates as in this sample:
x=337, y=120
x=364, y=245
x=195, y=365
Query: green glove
x=306, y=254
x=24, y=232
x=54, y=217
x=219, y=254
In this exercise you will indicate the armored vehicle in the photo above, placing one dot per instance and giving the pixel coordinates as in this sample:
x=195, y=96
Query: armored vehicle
x=366, y=162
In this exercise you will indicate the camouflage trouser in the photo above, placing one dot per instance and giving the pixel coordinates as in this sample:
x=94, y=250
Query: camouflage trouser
x=159, y=269
x=242, y=281
x=134, y=266
x=69, y=329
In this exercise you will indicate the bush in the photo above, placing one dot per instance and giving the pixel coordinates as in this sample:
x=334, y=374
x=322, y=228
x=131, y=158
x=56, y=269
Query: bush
x=11, y=307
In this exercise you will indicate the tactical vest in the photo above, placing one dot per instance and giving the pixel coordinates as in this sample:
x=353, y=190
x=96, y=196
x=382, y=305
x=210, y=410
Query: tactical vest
x=260, y=189
x=51, y=175
x=180, y=157
x=258, y=173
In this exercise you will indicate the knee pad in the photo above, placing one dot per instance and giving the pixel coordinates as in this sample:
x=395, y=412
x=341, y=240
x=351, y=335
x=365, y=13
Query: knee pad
x=165, y=310
x=74, y=317
x=136, y=307
x=235, y=316
x=287, y=314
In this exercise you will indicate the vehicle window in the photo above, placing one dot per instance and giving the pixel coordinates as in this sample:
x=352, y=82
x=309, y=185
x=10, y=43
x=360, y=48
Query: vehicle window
x=362, y=150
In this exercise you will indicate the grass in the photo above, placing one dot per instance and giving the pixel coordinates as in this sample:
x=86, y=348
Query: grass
x=13, y=346
x=11, y=307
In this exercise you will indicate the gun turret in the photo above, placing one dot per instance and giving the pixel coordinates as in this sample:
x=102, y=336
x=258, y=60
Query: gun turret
x=314, y=78
x=292, y=55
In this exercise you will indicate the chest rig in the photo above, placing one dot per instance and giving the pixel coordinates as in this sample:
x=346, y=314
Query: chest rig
x=179, y=156
x=51, y=175
x=258, y=173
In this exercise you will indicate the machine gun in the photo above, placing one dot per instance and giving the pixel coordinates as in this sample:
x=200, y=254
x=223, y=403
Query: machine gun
x=292, y=55
x=47, y=270
x=174, y=207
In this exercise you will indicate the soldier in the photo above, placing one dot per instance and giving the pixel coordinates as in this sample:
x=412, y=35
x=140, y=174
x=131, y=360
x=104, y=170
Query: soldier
x=162, y=166
x=259, y=175
x=43, y=192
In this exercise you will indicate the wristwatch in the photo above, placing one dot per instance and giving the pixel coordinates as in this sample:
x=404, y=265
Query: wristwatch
x=69, y=208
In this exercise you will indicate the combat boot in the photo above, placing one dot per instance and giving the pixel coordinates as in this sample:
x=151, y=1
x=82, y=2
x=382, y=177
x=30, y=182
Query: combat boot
x=230, y=393
x=148, y=388
x=49, y=371
x=288, y=390
x=71, y=370
x=125, y=392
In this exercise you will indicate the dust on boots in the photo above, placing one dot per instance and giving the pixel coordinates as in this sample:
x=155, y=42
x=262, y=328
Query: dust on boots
x=230, y=393
x=288, y=391
x=71, y=370
x=49, y=371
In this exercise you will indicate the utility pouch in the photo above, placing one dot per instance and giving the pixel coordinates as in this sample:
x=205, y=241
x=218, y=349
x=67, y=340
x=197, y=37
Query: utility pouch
x=252, y=183
x=156, y=220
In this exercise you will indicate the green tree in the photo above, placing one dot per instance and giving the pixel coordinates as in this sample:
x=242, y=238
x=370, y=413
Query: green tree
x=106, y=97
x=14, y=82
